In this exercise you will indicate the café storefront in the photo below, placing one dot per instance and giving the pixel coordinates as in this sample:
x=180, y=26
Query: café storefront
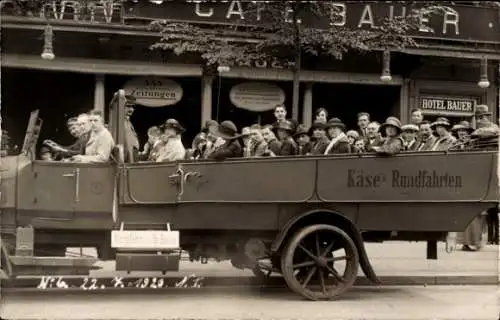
x=109, y=51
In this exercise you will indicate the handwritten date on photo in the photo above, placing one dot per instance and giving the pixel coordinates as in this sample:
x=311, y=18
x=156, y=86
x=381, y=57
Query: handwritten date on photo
x=49, y=282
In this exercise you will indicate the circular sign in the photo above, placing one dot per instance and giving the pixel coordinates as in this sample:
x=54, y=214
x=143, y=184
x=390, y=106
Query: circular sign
x=256, y=96
x=154, y=92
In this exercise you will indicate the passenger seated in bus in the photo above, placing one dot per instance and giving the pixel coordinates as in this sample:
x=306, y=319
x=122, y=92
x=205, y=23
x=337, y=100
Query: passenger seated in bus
x=247, y=141
x=131, y=146
x=272, y=142
x=444, y=138
x=339, y=142
x=285, y=130
x=373, y=137
x=321, y=115
x=363, y=121
x=198, y=147
x=46, y=154
x=462, y=132
x=100, y=143
x=150, y=147
x=259, y=147
x=231, y=148
x=280, y=115
x=303, y=140
x=352, y=136
x=359, y=146
x=416, y=117
x=319, y=138
x=393, y=143
x=81, y=129
x=409, y=135
x=171, y=147
x=426, y=138
x=483, y=119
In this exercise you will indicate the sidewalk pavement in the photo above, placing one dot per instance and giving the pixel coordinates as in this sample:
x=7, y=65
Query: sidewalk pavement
x=398, y=263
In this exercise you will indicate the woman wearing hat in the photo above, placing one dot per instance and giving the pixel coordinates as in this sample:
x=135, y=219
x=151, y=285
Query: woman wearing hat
x=285, y=131
x=171, y=147
x=198, y=147
x=303, y=140
x=352, y=136
x=393, y=143
x=339, y=142
x=409, y=134
x=231, y=148
x=462, y=132
x=319, y=138
x=444, y=138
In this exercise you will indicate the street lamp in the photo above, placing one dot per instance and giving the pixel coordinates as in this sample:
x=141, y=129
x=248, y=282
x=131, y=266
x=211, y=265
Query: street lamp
x=483, y=82
x=48, y=53
x=386, y=69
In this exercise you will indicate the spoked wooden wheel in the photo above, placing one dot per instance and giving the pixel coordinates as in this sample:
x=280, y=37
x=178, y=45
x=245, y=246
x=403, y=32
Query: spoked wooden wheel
x=320, y=262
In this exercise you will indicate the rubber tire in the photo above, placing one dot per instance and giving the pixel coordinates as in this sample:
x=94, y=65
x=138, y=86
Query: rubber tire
x=287, y=261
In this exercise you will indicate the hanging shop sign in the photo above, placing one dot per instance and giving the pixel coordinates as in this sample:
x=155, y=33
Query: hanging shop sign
x=154, y=92
x=256, y=96
x=447, y=105
x=460, y=22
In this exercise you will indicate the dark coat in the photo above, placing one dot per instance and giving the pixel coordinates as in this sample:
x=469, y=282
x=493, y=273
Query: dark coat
x=391, y=146
x=305, y=149
x=76, y=148
x=341, y=146
x=319, y=146
x=289, y=148
x=377, y=142
x=412, y=146
x=259, y=149
x=231, y=149
x=274, y=146
x=425, y=145
x=443, y=144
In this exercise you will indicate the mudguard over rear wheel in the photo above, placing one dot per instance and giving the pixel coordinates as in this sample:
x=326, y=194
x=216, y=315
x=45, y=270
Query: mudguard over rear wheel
x=312, y=258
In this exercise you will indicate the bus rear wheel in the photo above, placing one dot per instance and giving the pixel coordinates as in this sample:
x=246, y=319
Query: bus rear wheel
x=312, y=258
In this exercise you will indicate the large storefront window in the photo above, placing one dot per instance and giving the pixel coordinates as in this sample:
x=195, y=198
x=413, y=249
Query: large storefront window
x=58, y=96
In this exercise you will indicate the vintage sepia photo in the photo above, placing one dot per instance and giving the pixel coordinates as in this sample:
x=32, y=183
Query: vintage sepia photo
x=249, y=160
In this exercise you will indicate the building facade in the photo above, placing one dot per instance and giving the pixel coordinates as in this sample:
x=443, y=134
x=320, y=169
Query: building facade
x=104, y=46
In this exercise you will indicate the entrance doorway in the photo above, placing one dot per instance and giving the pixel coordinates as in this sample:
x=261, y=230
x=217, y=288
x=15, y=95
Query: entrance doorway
x=345, y=101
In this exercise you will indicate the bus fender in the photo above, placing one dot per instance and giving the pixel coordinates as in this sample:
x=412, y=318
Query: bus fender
x=332, y=218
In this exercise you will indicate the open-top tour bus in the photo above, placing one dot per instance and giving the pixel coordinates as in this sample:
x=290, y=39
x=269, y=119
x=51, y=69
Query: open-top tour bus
x=304, y=217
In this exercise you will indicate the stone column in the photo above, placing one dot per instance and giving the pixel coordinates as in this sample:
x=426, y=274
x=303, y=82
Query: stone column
x=99, y=103
x=307, y=105
x=206, y=98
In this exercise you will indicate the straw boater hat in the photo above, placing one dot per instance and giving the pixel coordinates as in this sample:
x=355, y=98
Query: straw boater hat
x=227, y=130
x=409, y=128
x=353, y=134
x=392, y=122
x=174, y=124
x=301, y=130
x=441, y=121
x=287, y=126
x=462, y=125
x=482, y=110
x=245, y=132
x=335, y=123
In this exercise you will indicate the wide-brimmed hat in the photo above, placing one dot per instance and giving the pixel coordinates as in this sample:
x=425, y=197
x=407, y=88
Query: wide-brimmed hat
x=174, y=124
x=392, y=122
x=410, y=127
x=301, y=130
x=482, y=110
x=353, y=134
x=131, y=101
x=441, y=121
x=462, y=125
x=285, y=125
x=335, y=123
x=245, y=132
x=210, y=125
x=227, y=130
x=317, y=125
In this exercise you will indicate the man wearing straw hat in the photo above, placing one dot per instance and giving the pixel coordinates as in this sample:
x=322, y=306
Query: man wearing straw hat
x=444, y=138
x=409, y=135
x=393, y=143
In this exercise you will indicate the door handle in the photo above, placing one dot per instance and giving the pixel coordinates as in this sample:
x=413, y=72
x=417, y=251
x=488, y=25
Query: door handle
x=76, y=176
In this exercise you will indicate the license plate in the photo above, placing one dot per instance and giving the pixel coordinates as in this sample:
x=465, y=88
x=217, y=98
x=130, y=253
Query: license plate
x=144, y=239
